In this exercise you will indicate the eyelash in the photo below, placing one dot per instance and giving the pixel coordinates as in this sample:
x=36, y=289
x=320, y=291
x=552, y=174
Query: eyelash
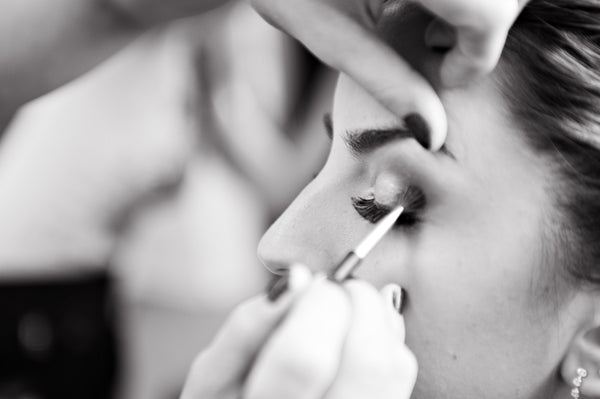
x=370, y=210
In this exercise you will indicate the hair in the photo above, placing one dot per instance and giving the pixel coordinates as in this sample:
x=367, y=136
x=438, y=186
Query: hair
x=552, y=83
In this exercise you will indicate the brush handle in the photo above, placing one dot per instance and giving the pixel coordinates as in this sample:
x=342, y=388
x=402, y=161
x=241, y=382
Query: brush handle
x=280, y=283
x=345, y=268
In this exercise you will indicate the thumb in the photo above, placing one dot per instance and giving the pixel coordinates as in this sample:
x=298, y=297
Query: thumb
x=225, y=363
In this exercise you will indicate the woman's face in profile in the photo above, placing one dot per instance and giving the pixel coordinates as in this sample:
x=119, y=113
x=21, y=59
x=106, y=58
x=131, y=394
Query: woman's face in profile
x=483, y=293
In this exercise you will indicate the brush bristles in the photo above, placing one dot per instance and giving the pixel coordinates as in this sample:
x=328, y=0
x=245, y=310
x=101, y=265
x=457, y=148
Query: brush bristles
x=413, y=200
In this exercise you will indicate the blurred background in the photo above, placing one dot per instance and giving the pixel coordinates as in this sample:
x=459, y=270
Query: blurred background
x=133, y=200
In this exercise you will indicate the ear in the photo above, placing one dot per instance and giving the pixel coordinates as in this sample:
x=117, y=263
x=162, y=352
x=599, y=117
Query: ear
x=584, y=352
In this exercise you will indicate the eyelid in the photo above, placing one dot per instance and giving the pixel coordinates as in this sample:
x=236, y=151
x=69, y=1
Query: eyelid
x=370, y=210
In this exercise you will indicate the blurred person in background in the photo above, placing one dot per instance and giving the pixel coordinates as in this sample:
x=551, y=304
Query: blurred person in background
x=137, y=151
x=67, y=184
x=258, y=107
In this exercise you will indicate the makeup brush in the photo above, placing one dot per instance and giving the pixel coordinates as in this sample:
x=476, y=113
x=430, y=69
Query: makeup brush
x=279, y=284
x=353, y=259
x=413, y=200
x=410, y=201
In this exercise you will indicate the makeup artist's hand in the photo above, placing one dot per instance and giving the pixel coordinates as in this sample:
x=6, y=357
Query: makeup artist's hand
x=476, y=30
x=71, y=37
x=323, y=341
x=342, y=33
x=151, y=12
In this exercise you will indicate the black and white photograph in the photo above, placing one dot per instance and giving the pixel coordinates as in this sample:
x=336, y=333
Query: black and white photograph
x=299, y=199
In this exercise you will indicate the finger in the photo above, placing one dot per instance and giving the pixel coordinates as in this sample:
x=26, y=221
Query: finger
x=440, y=35
x=374, y=360
x=301, y=358
x=481, y=28
x=392, y=295
x=226, y=361
x=295, y=279
x=400, y=88
x=476, y=54
x=340, y=40
x=149, y=13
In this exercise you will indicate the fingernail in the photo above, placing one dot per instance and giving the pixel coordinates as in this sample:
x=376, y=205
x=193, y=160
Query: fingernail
x=294, y=279
x=419, y=128
x=397, y=296
x=277, y=286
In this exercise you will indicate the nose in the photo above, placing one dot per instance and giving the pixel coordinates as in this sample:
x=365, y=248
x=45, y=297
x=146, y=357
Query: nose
x=311, y=231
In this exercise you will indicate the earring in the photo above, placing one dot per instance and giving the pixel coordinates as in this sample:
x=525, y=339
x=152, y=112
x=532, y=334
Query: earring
x=577, y=381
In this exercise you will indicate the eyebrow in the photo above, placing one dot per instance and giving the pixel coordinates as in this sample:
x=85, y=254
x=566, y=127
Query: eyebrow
x=367, y=141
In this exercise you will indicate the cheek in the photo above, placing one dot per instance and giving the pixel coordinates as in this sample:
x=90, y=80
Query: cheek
x=473, y=304
x=471, y=309
x=474, y=273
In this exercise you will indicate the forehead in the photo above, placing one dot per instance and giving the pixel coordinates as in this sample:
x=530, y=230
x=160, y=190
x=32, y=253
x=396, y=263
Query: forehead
x=355, y=109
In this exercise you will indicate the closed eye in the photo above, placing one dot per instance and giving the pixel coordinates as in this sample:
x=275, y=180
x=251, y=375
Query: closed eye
x=370, y=210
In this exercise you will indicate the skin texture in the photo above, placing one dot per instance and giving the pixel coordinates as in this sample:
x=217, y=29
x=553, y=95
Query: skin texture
x=474, y=268
x=486, y=314
x=344, y=31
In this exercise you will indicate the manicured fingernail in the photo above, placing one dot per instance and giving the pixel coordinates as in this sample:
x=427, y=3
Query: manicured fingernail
x=397, y=298
x=419, y=128
x=278, y=285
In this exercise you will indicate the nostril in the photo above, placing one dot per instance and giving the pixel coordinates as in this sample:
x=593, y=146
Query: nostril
x=278, y=253
x=277, y=268
x=270, y=262
x=267, y=256
x=297, y=237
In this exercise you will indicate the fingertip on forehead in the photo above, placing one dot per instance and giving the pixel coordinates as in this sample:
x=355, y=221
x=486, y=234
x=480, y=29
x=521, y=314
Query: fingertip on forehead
x=355, y=110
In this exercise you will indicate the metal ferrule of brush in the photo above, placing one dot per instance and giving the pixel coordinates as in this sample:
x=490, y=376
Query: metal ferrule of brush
x=345, y=268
